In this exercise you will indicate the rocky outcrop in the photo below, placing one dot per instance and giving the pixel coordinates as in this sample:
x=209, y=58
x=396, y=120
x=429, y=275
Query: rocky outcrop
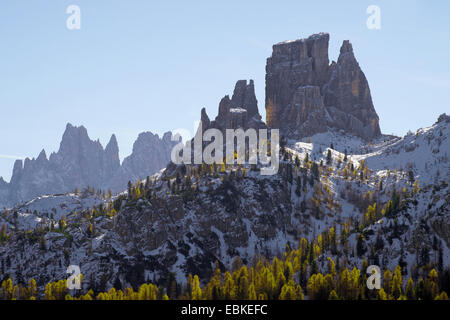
x=307, y=95
x=4, y=190
x=443, y=118
x=111, y=161
x=81, y=162
x=241, y=111
x=150, y=154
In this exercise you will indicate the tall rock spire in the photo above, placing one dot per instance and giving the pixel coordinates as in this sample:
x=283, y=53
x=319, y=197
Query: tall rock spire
x=241, y=111
x=347, y=95
x=111, y=160
x=244, y=97
x=306, y=95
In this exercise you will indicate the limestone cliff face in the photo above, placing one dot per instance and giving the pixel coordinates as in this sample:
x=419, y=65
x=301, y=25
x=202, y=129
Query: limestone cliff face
x=150, y=154
x=82, y=162
x=305, y=94
x=241, y=111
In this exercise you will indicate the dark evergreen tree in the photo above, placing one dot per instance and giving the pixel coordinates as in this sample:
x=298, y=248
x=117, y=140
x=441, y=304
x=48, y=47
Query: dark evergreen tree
x=360, y=246
x=424, y=256
x=379, y=243
x=297, y=161
x=117, y=284
x=129, y=188
x=315, y=170
x=402, y=262
x=329, y=157
x=298, y=188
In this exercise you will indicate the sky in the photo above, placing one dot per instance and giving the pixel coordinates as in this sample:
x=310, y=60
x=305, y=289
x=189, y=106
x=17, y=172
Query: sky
x=139, y=65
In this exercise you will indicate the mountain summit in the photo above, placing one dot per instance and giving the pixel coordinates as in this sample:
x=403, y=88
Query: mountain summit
x=81, y=162
x=305, y=94
x=241, y=111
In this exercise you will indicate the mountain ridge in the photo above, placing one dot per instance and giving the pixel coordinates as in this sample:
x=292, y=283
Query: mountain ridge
x=356, y=197
x=81, y=162
x=183, y=224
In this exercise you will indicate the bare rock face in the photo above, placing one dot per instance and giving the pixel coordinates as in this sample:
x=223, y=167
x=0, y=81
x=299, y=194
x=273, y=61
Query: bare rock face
x=244, y=97
x=348, y=91
x=150, y=154
x=307, y=95
x=111, y=162
x=307, y=110
x=4, y=190
x=444, y=118
x=81, y=162
x=241, y=111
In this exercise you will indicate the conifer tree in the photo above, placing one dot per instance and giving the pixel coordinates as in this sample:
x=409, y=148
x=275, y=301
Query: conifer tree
x=410, y=292
x=196, y=291
x=329, y=157
x=333, y=295
x=397, y=283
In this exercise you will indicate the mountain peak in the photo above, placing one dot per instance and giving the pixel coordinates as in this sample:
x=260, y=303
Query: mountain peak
x=150, y=154
x=167, y=137
x=71, y=130
x=444, y=118
x=42, y=156
x=346, y=47
x=244, y=97
x=112, y=145
x=69, y=126
x=17, y=171
x=73, y=136
x=321, y=36
x=82, y=162
x=306, y=95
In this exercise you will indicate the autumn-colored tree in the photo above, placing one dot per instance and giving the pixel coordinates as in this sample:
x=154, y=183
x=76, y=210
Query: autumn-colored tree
x=397, y=283
x=410, y=291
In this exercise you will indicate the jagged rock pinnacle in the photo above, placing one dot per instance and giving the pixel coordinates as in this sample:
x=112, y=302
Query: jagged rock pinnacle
x=307, y=95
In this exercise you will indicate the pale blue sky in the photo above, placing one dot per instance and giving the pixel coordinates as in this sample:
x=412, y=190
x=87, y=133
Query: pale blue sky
x=150, y=66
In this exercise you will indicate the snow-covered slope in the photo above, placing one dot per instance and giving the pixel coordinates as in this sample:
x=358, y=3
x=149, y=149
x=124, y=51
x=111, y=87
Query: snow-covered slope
x=47, y=208
x=185, y=219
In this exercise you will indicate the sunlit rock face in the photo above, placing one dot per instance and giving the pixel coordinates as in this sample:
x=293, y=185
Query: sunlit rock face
x=241, y=111
x=305, y=94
